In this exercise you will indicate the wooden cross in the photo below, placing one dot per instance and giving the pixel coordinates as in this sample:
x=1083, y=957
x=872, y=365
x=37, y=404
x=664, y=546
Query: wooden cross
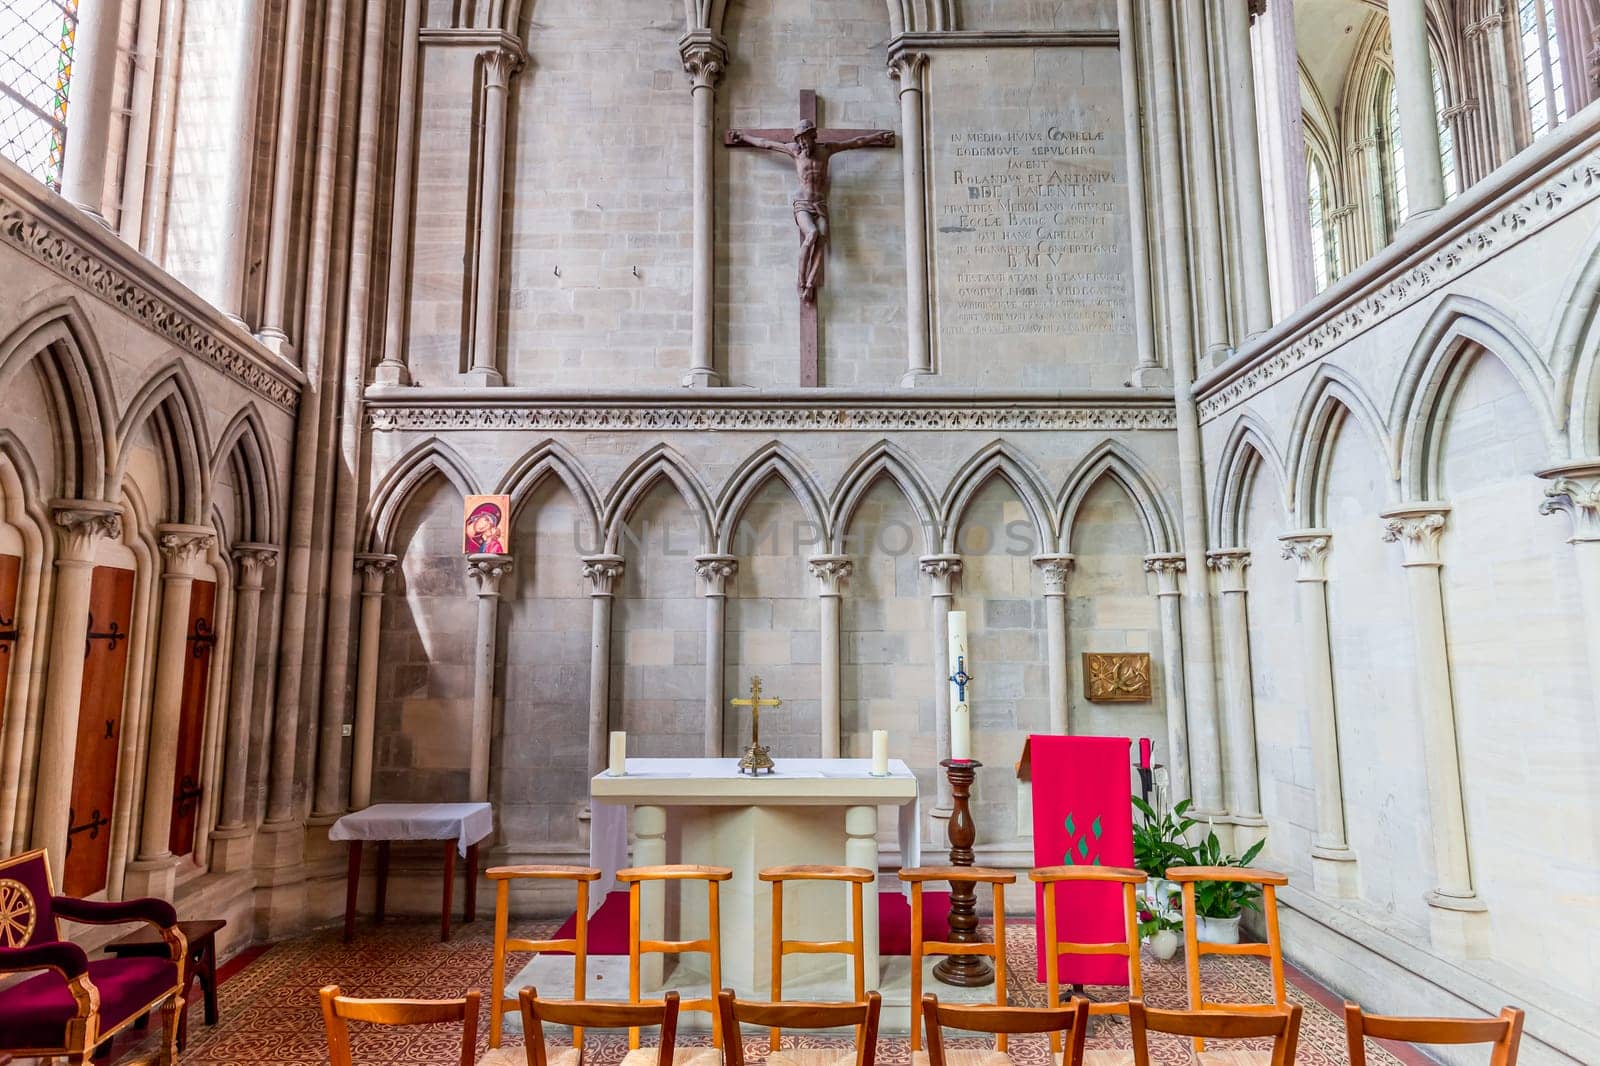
x=755, y=758
x=810, y=205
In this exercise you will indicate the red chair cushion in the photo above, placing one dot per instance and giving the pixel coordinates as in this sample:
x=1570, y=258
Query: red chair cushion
x=34, y=1013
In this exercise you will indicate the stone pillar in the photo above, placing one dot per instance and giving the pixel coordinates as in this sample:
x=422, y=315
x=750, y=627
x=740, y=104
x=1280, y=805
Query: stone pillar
x=1147, y=370
x=1203, y=196
x=715, y=570
x=1056, y=569
x=281, y=251
x=392, y=368
x=1169, y=606
x=1575, y=489
x=499, y=65
x=233, y=271
x=232, y=843
x=94, y=76
x=1238, y=698
x=906, y=68
x=1248, y=197
x=603, y=572
x=374, y=569
x=829, y=570
x=1457, y=919
x=705, y=57
x=1333, y=864
x=80, y=525
x=1419, y=124
x=182, y=548
x=487, y=571
x=942, y=570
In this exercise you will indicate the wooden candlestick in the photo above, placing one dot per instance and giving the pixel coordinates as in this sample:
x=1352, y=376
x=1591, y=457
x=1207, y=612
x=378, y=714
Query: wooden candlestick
x=965, y=971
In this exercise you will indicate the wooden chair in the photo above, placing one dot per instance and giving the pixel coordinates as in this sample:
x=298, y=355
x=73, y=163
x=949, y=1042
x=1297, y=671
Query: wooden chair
x=1072, y=1020
x=338, y=1009
x=918, y=876
x=711, y=946
x=578, y=1014
x=856, y=947
x=1281, y=1024
x=779, y=1016
x=1504, y=1032
x=1128, y=947
x=578, y=944
x=1272, y=950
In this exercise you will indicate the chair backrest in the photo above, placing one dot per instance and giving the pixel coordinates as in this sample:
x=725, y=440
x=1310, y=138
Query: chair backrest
x=998, y=880
x=711, y=945
x=578, y=943
x=1504, y=1032
x=856, y=947
x=777, y=1016
x=1127, y=947
x=338, y=1009
x=26, y=891
x=1070, y=1022
x=579, y=1013
x=1269, y=881
x=1281, y=1025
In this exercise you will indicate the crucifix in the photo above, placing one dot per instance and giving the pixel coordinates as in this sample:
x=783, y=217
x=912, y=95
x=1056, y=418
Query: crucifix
x=756, y=759
x=810, y=148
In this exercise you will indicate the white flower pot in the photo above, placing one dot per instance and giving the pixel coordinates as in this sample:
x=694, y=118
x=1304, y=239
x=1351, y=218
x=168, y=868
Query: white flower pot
x=1217, y=930
x=1164, y=944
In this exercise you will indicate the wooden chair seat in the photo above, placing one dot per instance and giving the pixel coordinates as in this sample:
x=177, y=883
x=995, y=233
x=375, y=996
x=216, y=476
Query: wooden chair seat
x=966, y=1057
x=683, y=1056
x=555, y=1055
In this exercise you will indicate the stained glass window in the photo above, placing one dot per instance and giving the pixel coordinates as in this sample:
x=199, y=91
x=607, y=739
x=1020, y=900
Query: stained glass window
x=1324, y=229
x=36, y=39
x=1391, y=175
x=1542, y=72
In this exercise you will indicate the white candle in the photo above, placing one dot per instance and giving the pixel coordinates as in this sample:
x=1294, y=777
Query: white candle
x=880, y=752
x=960, y=673
x=619, y=754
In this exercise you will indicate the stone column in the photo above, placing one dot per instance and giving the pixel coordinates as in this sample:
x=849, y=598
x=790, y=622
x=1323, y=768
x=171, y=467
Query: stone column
x=80, y=525
x=499, y=65
x=1333, y=864
x=942, y=570
x=1246, y=148
x=233, y=271
x=1203, y=196
x=829, y=570
x=603, y=572
x=94, y=75
x=487, y=571
x=182, y=548
x=374, y=569
x=1147, y=370
x=715, y=570
x=1457, y=919
x=1169, y=606
x=232, y=843
x=1278, y=84
x=1238, y=697
x=281, y=252
x=392, y=369
x=906, y=68
x=1419, y=124
x=705, y=57
x=1575, y=489
x=1056, y=569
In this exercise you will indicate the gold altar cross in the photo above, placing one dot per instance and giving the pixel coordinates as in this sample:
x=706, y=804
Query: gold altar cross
x=756, y=758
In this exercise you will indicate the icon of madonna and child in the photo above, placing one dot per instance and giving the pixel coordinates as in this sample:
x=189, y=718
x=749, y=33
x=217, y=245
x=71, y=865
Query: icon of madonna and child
x=487, y=525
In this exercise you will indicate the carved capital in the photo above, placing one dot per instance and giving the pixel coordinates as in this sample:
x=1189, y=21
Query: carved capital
x=253, y=561
x=1055, y=569
x=182, y=547
x=705, y=57
x=715, y=570
x=1229, y=564
x=1575, y=489
x=1166, y=566
x=906, y=67
x=1417, y=529
x=602, y=572
x=500, y=65
x=1309, y=549
x=487, y=570
x=81, y=523
x=942, y=570
x=374, y=568
x=829, y=570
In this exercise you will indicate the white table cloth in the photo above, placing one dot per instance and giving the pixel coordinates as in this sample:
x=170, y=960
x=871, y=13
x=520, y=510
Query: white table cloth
x=468, y=823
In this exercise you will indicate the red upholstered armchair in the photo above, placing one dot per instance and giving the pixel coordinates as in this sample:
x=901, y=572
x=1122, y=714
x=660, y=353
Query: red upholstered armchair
x=76, y=1004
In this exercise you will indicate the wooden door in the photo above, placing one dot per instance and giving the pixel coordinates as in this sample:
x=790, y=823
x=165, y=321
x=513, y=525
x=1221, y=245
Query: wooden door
x=94, y=771
x=10, y=572
x=186, y=790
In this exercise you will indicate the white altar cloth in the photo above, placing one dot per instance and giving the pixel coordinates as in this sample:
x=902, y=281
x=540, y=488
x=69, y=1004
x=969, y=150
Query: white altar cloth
x=468, y=823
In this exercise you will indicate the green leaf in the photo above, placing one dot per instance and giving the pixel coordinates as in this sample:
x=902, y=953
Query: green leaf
x=1083, y=847
x=1072, y=830
x=1095, y=828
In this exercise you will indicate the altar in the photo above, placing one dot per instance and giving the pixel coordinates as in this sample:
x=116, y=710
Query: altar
x=822, y=811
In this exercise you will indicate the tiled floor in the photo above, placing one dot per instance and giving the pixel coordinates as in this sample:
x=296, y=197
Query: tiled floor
x=270, y=1013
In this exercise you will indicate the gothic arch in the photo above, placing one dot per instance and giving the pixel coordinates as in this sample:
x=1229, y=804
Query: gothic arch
x=1460, y=327
x=1249, y=450
x=996, y=459
x=246, y=444
x=660, y=462
x=552, y=459
x=24, y=511
x=60, y=340
x=1331, y=397
x=770, y=461
x=1111, y=459
x=170, y=402
x=882, y=460
x=1575, y=353
x=431, y=457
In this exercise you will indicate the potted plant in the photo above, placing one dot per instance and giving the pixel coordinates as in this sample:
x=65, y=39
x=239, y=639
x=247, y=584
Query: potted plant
x=1159, y=843
x=1219, y=905
x=1159, y=927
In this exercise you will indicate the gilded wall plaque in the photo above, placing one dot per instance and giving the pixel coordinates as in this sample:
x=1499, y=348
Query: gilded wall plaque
x=1116, y=677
